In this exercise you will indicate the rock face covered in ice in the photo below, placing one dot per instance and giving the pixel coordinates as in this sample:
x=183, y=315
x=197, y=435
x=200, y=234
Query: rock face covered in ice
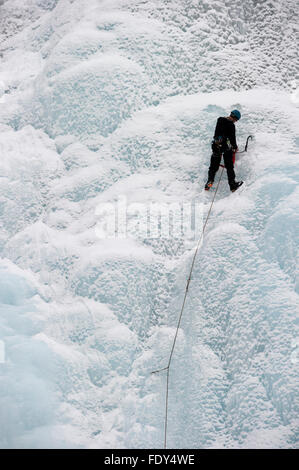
x=110, y=101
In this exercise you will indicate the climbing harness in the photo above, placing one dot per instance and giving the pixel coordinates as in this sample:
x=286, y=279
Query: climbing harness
x=167, y=368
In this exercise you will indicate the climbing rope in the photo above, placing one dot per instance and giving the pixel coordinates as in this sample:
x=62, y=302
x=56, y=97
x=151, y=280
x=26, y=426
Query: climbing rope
x=167, y=368
x=182, y=310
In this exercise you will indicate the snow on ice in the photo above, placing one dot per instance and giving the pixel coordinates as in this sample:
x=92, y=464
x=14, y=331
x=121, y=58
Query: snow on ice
x=119, y=98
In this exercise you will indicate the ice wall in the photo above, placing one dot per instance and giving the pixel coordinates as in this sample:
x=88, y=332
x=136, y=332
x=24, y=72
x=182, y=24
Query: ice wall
x=102, y=99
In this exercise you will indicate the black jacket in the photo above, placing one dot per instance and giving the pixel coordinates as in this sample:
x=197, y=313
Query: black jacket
x=225, y=128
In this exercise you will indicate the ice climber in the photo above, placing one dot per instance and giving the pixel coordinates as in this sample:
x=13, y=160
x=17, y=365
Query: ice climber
x=224, y=143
